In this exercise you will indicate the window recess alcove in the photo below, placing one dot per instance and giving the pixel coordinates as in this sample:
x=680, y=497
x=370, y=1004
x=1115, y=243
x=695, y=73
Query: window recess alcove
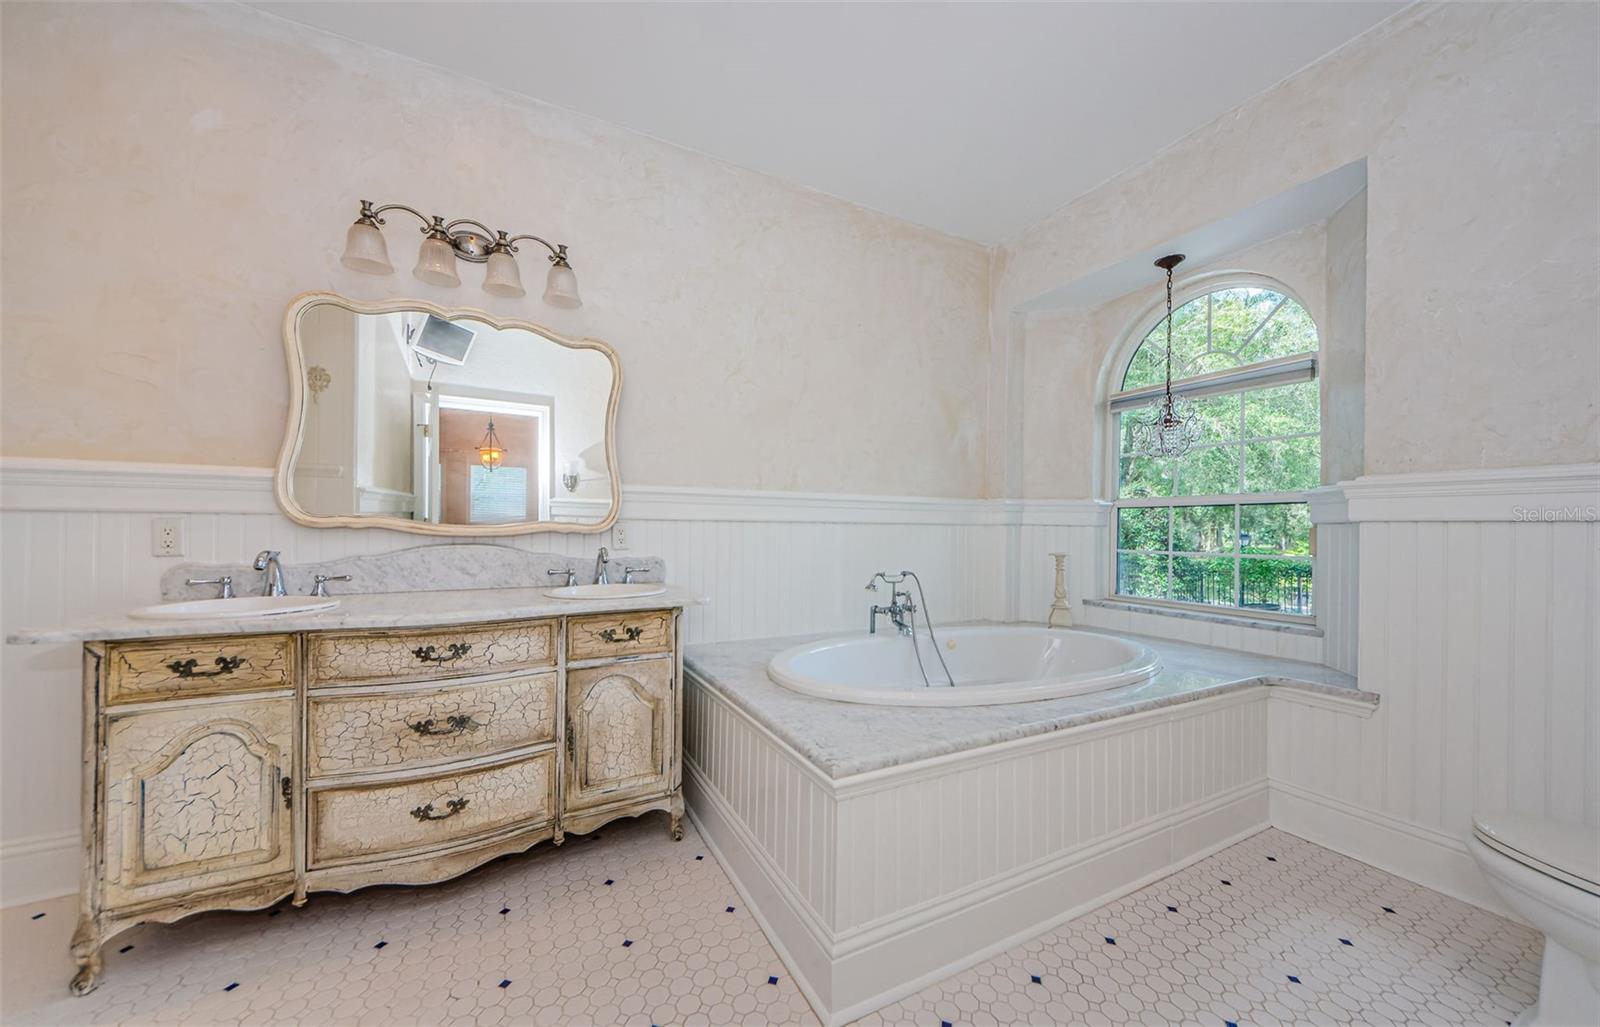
x=1241, y=542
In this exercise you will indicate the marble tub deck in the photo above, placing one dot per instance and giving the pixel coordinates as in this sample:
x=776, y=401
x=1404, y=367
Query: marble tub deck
x=846, y=739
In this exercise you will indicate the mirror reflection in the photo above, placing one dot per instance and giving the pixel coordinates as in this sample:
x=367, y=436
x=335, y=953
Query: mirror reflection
x=430, y=420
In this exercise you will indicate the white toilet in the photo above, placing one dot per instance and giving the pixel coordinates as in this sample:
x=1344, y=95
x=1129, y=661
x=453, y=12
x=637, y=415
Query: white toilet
x=1549, y=873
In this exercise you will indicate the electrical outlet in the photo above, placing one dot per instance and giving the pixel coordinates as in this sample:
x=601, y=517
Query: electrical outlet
x=619, y=536
x=169, y=536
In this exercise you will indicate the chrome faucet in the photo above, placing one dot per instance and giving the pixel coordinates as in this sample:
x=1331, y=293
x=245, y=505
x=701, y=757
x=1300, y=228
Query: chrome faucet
x=600, y=560
x=901, y=610
x=267, y=560
x=566, y=572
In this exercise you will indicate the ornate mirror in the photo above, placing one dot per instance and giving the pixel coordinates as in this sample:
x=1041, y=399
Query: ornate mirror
x=411, y=416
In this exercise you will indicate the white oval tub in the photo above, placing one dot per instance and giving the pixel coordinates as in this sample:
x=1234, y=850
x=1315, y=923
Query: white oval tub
x=991, y=664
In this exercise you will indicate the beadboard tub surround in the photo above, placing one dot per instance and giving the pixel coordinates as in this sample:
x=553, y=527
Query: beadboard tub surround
x=884, y=848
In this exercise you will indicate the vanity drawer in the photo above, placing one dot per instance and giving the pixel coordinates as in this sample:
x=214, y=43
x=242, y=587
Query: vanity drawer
x=376, y=820
x=360, y=657
x=619, y=634
x=180, y=668
x=393, y=729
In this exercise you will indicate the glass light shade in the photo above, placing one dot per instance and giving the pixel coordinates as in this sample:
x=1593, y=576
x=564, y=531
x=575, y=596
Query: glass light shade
x=561, y=288
x=364, y=250
x=502, y=277
x=436, y=263
x=491, y=457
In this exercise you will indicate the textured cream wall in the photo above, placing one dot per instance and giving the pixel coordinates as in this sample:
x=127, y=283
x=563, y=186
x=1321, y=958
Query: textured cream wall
x=1480, y=124
x=174, y=175
x=1064, y=353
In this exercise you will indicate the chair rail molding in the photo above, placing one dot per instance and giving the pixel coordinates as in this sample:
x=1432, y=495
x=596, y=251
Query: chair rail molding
x=1554, y=492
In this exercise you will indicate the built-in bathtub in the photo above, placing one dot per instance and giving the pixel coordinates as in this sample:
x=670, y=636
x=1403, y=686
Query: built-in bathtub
x=886, y=846
x=987, y=665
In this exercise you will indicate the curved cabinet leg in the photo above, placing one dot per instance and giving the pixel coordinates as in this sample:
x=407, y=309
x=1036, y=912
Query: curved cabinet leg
x=86, y=953
x=560, y=835
x=677, y=817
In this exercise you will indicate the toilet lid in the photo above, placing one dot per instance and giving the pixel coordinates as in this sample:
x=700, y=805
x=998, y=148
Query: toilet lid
x=1567, y=852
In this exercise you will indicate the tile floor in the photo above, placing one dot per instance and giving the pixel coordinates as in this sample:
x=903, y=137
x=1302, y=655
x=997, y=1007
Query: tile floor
x=635, y=929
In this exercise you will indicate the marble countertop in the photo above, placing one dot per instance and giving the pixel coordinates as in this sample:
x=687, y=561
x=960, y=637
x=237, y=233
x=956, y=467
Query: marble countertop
x=845, y=739
x=381, y=610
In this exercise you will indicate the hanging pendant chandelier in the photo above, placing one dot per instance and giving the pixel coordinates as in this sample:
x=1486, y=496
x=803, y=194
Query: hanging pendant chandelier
x=1172, y=426
x=490, y=452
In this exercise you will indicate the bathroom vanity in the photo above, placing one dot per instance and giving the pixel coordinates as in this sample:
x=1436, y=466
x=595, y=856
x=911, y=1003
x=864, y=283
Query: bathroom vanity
x=397, y=739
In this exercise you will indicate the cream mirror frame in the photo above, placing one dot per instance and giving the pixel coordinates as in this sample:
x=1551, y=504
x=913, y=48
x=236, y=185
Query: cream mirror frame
x=417, y=342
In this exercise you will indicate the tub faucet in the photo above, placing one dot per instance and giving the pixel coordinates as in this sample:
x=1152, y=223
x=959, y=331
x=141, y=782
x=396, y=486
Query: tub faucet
x=600, y=560
x=901, y=610
x=267, y=560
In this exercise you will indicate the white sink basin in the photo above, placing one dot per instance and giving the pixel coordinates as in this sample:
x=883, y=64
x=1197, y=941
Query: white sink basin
x=239, y=607
x=640, y=591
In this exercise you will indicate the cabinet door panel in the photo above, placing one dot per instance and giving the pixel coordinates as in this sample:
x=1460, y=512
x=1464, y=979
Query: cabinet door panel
x=194, y=798
x=619, y=726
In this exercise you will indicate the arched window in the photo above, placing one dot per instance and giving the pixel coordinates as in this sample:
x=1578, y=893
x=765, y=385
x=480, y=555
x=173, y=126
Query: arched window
x=1226, y=524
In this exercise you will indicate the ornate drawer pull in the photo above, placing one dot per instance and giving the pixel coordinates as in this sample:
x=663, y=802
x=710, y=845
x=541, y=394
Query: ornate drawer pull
x=225, y=665
x=454, y=725
x=629, y=634
x=453, y=807
x=431, y=654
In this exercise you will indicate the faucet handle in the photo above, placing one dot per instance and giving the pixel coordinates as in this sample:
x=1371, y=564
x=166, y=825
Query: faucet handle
x=225, y=581
x=571, y=575
x=629, y=572
x=319, y=587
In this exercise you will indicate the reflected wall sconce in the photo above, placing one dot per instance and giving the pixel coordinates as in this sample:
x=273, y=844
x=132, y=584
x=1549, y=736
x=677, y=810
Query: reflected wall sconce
x=569, y=476
x=445, y=242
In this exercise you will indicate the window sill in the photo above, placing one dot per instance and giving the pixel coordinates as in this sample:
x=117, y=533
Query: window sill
x=1231, y=619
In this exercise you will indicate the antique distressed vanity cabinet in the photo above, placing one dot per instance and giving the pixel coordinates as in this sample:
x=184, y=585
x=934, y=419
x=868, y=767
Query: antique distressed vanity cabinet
x=229, y=771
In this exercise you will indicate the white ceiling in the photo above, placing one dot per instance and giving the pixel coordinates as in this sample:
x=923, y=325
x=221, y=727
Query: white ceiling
x=973, y=119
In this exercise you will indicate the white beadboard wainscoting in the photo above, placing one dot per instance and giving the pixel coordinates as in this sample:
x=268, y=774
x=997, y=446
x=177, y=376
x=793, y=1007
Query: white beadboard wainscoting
x=1479, y=600
x=75, y=540
x=874, y=885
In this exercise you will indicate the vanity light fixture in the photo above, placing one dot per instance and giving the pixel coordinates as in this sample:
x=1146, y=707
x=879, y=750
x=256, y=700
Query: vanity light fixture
x=569, y=477
x=490, y=453
x=463, y=239
x=1172, y=426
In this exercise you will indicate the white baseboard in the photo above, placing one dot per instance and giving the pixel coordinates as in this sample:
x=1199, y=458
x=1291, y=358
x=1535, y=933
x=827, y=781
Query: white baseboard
x=41, y=867
x=1416, y=853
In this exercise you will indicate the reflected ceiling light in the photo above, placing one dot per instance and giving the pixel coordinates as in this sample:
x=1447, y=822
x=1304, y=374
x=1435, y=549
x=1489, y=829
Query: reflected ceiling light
x=490, y=453
x=1172, y=425
x=461, y=239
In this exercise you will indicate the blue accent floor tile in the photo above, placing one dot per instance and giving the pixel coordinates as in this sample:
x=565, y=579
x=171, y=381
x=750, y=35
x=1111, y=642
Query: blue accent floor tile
x=505, y=983
x=1346, y=941
x=126, y=948
x=1293, y=978
x=1110, y=940
x=1172, y=909
x=1229, y=1023
x=1036, y=979
x=37, y=916
x=1388, y=909
x=275, y=912
x=698, y=858
x=627, y=942
x=232, y=986
x=1227, y=882
x=944, y=1023
x=1272, y=859
x=380, y=945
x=729, y=909
x=504, y=910
x=772, y=980
x=609, y=881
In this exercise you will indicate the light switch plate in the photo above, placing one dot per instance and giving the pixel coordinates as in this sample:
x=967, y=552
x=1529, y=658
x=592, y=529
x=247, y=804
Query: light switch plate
x=619, y=536
x=169, y=536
